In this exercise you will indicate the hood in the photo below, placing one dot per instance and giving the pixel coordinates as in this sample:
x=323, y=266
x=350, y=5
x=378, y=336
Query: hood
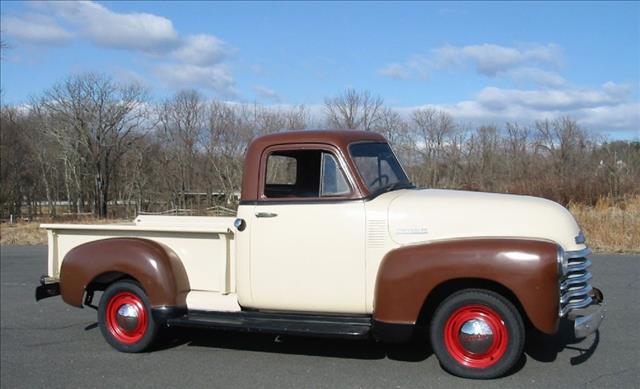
x=433, y=214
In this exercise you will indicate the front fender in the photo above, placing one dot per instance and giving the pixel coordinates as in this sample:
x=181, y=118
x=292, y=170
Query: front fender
x=155, y=266
x=528, y=268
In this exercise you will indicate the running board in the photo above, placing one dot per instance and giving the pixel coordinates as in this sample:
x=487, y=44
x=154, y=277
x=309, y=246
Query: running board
x=334, y=326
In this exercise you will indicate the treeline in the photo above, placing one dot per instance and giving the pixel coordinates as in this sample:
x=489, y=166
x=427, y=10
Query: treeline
x=91, y=145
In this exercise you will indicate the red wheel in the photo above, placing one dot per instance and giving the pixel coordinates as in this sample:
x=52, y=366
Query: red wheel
x=477, y=334
x=125, y=319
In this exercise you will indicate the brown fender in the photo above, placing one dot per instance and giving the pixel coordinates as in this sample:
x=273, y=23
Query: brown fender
x=155, y=266
x=528, y=268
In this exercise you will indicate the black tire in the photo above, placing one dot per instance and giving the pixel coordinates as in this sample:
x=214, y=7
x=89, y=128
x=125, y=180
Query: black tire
x=119, y=294
x=503, y=349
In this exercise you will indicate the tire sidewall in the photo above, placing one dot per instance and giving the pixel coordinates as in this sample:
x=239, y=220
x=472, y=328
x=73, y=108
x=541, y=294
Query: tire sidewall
x=152, y=326
x=507, y=312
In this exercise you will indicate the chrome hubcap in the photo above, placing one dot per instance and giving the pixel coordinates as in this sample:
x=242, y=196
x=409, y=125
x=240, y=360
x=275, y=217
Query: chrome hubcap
x=476, y=336
x=127, y=317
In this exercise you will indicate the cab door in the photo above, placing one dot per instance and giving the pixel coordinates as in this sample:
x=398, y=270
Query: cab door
x=307, y=240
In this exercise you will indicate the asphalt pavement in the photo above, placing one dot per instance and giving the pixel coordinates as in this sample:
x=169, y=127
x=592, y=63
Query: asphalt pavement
x=51, y=344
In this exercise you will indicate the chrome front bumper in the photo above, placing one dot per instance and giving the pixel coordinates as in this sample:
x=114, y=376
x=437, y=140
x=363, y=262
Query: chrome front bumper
x=587, y=320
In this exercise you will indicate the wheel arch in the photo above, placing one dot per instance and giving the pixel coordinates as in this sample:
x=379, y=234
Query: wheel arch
x=451, y=286
x=97, y=264
x=523, y=269
x=103, y=280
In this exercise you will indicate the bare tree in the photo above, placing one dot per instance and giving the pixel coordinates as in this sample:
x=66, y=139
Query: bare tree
x=86, y=140
x=517, y=156
x=296, y=118
x=228, y=135
x=16, y=170
x=393, y=127
x=182, y=121
x=353, y=110
x=44, y=155
x=433, y=130
x=104, y=117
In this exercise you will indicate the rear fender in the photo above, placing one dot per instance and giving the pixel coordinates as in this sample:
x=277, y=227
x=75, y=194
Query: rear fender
x=155, y=266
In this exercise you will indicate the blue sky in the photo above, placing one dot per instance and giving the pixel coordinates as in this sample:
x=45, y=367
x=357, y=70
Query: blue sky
x=482, y=62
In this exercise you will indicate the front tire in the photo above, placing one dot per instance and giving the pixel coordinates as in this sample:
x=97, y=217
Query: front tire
x=125, y=318
x=477, y=334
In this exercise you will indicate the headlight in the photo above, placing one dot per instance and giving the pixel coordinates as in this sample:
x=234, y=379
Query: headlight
x=563, y=261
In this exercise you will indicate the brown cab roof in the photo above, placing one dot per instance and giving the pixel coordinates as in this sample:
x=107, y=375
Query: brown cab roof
x=339, y=139
x=336, y=138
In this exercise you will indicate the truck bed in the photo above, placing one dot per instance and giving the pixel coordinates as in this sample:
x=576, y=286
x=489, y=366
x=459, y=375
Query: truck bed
x=204, y=245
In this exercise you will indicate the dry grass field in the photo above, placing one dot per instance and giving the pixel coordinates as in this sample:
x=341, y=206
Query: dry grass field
x=22, y=234
x=30, y=233
x=608, y=226
x=611, y=227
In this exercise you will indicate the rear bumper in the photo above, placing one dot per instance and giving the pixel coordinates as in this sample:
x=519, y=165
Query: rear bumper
x=588, y=319
x=49, y=287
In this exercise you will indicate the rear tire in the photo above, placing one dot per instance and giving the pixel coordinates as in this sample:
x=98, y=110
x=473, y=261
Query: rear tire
x=125, y=318
x=477, y=334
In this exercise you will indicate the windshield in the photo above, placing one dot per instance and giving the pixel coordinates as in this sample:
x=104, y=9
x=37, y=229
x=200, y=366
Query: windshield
x=378, y=167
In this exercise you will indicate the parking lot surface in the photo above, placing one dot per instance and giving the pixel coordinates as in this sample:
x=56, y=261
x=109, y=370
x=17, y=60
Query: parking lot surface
x=50, y=344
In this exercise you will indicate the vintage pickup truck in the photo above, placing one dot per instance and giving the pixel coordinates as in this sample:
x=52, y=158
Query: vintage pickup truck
x=331, y=239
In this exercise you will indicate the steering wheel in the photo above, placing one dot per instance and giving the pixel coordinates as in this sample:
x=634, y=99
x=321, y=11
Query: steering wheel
x=380, y=179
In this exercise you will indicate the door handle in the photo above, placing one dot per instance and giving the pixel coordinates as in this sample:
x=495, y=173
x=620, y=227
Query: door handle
x=266, y=214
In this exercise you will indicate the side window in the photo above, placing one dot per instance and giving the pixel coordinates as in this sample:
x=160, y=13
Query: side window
x=333, y=181
x=281, y=170
x=303, y=174
x=281, y=177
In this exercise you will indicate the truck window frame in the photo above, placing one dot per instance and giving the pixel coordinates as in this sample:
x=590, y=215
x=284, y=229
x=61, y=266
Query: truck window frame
x=352, y=194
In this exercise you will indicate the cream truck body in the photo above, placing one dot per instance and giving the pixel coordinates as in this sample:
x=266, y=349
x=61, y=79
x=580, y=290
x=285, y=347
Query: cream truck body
x=295, y=268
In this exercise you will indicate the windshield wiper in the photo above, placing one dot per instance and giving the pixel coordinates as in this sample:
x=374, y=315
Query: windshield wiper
x=392, y=187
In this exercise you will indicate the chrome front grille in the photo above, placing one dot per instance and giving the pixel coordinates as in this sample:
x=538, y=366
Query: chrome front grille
x=574, y=285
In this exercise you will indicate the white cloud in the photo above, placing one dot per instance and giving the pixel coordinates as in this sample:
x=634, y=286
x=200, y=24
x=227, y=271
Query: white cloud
x=202, y=49
x=191, y=61
x=395, y=71
x=621, y=91
x=610, y=108
x=528, y=75
x=266, y=93
x=625, y=117
x=539, y=92
x=35, y=29
x=553, y=99
x=490, y=60
x=421, y=66
x=136, y=31
x=132, y=31
x=216, y=78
